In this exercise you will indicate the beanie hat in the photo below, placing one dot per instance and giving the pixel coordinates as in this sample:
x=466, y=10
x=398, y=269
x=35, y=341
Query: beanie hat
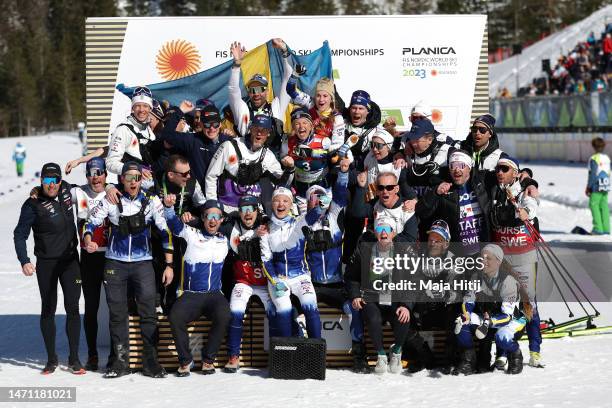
x=131, y=165
x=440, y=227
x=158, y=110
x=95, y=163
x=210, y=114
x=461, y=156
x=282, y=191
x=142, y=94
x=384, y=135
x=495, y=250
x=487, y=119
x=362, y=98
x=509, y=161
x=300, y=112
x=262, y=121
x=326, y=85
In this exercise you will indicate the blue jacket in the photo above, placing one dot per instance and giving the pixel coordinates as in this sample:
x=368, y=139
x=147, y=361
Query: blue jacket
x=203, y=259
x=326, y=266
x=130, y=247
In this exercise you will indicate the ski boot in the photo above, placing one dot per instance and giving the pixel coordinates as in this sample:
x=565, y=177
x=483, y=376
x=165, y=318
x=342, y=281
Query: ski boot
x=515, y=362
x=467, y=362
x=381, y=364
x=483, y=359
x=500, y=363
x=425, y=359
x=535, y=360
x=360, y=362
x=233, y=364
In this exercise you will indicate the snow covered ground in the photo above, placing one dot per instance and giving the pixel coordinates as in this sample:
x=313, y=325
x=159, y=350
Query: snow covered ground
x=576, y=373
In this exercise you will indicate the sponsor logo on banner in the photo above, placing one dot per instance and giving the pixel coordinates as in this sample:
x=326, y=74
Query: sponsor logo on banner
x=334, y=329
x=429, y=62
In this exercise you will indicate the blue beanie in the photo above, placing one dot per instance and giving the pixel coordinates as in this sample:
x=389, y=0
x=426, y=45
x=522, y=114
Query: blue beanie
x=487, y=119
x=95, y=163
x=362, y=98
x=262, y=121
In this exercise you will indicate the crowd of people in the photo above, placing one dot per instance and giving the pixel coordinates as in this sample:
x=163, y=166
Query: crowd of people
x=214, y=206
x=586, y=68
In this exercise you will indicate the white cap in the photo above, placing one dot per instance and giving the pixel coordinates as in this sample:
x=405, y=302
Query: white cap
x=384, y=135
x=282, y=191
x=494, y=250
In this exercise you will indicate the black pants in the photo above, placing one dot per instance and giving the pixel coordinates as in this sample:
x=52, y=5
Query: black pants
x=92, y=275
x=375, y=315
x=189, y=307
x=353, y=230
x=141, y=277
x=48, y=272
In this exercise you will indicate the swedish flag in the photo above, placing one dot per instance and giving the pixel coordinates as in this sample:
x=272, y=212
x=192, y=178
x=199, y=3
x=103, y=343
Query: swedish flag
x=264, y=59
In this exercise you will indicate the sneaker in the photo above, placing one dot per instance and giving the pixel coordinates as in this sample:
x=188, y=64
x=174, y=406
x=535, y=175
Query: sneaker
x=535, y=360
x=208, y=368
x=50, y=367
x=233, y=364
x=76, y=367
x=395, y=364
x=381, y=364
x=500, y=363
x=92, y=363
x=184, y=370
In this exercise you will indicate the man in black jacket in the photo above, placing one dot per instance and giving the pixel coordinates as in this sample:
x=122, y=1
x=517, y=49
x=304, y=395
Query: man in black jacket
x=51, y=217
x=198, y=146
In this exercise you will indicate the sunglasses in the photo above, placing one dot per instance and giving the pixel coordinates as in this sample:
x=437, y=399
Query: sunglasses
x=247, y=209
x=388, y=187
x=377, y=146
x=457, y=166
x=214, y=125
x=95, y=172
x=257, y=90
x=383, y=228
x=185, y=174
x=503, y=168
x=132, y=177
x=213, y=216
x=480, y=129
x=49, y=180
x=257, y=129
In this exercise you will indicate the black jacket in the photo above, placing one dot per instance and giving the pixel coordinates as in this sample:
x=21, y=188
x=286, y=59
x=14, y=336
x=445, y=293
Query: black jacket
x=52, y=220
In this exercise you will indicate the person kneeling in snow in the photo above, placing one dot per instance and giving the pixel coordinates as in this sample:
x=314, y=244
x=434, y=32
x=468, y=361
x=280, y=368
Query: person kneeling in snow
x=495, y=306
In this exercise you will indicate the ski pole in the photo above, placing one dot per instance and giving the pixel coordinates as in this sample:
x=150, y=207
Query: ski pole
x=530, y=231
x=563, y=269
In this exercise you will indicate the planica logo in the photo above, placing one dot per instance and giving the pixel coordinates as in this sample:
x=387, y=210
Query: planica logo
x=428, y=51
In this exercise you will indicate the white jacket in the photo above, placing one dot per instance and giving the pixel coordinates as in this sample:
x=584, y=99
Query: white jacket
x=124, y=140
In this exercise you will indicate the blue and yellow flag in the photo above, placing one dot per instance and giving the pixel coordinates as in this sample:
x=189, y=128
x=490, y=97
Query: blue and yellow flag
x=264, y=59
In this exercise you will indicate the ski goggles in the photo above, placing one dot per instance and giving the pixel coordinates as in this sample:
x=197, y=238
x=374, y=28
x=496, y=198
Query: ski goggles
x=142, y=90
x=214, y=125
x=480, y=129
x=95, y=172
x=383, y=228
x=388, y=187
x=213, y=216
x=503, y=168
x=254, y=90
x=132, y=177
x=377, y=146
x=247, y=208
x=49, y=180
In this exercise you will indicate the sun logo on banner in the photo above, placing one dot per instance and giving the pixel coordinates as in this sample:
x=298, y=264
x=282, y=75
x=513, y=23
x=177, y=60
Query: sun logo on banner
x=436, y=116
x=177, y=59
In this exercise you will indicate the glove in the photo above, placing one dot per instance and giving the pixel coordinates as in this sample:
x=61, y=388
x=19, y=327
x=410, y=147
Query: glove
x=483, y=329
x=300, y=69
x=343, y=150
x=280, y=288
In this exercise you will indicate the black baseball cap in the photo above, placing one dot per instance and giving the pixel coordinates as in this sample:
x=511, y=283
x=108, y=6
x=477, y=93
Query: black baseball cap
x=51, y=170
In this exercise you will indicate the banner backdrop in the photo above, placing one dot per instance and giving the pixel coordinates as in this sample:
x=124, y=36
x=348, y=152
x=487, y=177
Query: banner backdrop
x=399, y=60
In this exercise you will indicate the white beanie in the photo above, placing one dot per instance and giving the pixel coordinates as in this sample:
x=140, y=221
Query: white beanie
x=316, y=188
x=494, y=250
x=384, y=135
x=282, y=191
x=142, y=94
x=461, y=157
x=423, y=108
